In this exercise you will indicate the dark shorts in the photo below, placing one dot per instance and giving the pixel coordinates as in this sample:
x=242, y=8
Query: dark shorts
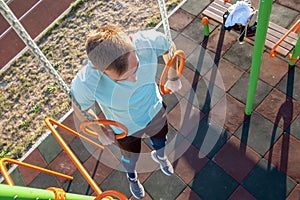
x=157, y=128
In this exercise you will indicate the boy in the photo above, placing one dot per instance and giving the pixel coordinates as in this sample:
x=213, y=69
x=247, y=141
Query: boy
x=120, y=78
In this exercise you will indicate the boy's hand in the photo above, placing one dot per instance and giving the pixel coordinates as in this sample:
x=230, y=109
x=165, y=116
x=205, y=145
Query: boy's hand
x=107, y=137
x=173, y=85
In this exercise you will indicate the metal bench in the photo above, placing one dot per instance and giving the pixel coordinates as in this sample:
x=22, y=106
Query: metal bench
x=217, y=8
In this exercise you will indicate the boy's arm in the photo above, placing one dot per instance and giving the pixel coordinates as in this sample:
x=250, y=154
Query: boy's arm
x=106, y=134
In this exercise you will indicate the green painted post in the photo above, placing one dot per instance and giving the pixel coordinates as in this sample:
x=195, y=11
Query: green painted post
x=295, y=54
x=264, y=12
x=26, y=193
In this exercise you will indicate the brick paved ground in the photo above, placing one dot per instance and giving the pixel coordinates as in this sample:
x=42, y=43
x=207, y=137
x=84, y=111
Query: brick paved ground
x=220, y=153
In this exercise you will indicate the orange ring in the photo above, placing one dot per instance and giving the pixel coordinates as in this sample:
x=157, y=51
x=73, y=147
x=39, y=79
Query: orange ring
x=113, y=193
x=163, y=77
x=84, y=125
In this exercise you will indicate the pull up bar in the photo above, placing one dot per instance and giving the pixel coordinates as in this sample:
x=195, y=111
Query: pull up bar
x=9, y=180
x=50, y=122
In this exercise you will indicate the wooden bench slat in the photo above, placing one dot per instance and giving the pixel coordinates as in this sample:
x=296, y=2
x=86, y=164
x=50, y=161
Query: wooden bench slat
x=283, y=44
x=216, y=11
x=283, y=30
x=291, y=38
x=279, y=49
x=222, y=3
x=218, y=7
x=212, y=15
x=278, y=35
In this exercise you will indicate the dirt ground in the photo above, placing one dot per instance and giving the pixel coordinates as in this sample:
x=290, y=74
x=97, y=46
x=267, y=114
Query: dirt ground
x=29, y=93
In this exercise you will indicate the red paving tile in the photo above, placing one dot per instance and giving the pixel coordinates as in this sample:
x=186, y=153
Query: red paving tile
x=241, y=194
x=188, y=193
x=229, y=74
x=272, y=70
x=237, y=159
x=99, y=174
x=67, y=136
x=107, y=158
x=185, y=44
x=63, y=164
x=188, y=79
x=145, y=163
x=295, y=193
x=279, y=108
x=214, y=40
x=34, y=158
x=285, y=155
x=180, y=19
x=190, y=116
x=291, y=4
x=147, y=197
x=189, y=164
x=234, y=113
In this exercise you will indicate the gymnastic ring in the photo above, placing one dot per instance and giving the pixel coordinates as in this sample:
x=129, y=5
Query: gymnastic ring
x=110, y=193
x=163, y=77
x=83, y=127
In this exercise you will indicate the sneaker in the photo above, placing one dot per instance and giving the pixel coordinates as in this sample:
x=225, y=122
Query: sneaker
x=165, y=164
x=136, y=188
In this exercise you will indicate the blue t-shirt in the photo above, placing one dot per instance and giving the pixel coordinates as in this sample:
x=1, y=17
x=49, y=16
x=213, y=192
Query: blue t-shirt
x=134, y=104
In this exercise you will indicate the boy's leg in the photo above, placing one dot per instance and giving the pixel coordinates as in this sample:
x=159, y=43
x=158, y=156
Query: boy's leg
x=158, y=142
x=130, y=148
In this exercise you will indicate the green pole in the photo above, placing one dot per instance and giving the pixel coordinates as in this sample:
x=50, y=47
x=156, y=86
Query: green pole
x=264, y=12
x=205, y=25
x=25, y=193
x=295, y=53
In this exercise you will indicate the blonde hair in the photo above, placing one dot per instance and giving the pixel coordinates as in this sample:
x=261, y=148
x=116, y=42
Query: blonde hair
x=108, y=48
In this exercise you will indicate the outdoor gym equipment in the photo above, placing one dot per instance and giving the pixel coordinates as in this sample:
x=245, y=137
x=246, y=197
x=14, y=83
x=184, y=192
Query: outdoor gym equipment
x=294, y=57
x=261, y=33
x=50, y=122
x=205, y=22
x=262, y=27
x=172, y=55
x=9, y=180
x=27, y=193
x=11, y=191
x=100, y=122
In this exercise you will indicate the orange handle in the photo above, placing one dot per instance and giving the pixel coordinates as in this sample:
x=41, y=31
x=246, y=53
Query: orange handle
x=9, y=180
x=112, y=193
x=163, y=77
x=49, y=122
x=84, y=125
